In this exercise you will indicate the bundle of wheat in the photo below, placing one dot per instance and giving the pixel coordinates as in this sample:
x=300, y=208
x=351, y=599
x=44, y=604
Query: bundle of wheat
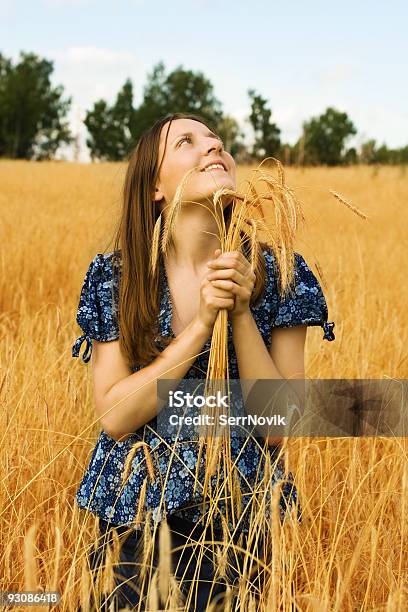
x=266, y=206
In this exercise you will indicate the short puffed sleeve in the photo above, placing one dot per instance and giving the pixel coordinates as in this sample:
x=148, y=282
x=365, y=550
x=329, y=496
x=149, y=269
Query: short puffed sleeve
x=305, y=303
x=97, y=308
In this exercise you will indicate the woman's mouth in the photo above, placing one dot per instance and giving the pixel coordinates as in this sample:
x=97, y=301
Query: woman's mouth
x=214, y=167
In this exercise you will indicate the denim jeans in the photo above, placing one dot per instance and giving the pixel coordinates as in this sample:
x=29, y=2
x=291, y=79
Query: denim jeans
x=185, y=563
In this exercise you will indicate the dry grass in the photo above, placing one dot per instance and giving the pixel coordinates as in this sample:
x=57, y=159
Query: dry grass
x=350, y=551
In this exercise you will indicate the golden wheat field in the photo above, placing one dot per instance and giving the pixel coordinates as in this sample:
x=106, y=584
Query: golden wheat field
x=351, y=550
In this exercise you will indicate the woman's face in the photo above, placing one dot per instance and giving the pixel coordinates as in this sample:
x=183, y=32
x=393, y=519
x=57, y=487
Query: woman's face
x=191, y=144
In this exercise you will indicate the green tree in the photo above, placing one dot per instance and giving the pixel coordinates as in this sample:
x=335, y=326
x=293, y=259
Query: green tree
x=182, y=91
x=367, y=152
x=384, y=155
x=350, y=156
x=267, y=134
x=154, y=104
x=111, y=128
x=371, y=154
x=115, y=130
x=229, y=130
x=32, y=113
x=325, y=138
x=402, y=155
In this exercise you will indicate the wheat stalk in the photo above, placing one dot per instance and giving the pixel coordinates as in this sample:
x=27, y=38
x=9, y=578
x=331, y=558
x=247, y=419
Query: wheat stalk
x=140, y=505
x=30, y=561
x=164, y=568
x=153, y=595
x=174, y=209
x=85, y=586
x=155, y=245
x=147, y=546
x=129, y=459
x=341, y=199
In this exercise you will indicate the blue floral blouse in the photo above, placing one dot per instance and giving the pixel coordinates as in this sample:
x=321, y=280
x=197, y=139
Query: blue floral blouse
x=100, y=490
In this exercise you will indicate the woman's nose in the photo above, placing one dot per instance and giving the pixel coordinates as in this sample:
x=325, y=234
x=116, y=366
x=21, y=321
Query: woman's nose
x=214, y=146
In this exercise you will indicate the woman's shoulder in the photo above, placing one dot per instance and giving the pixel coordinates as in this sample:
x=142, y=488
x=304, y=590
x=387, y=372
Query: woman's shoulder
x=98, y=303
x=108, y=261
x=303, y=276
x=304, y=302
x=104, y=268
x=270, y=258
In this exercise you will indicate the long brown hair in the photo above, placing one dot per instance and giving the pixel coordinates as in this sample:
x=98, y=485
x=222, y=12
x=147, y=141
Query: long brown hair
x=139, y=290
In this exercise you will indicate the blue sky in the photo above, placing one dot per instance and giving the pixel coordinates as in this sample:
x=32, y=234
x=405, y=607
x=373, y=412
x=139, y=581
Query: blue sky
x=301, y=56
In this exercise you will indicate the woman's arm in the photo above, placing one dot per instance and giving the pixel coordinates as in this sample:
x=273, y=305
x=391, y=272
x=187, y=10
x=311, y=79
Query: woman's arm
x=285, y=360
x=254, y=360
x=120, y=415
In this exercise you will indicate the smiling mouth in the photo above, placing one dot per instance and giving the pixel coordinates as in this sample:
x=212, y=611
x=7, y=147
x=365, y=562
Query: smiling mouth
x=214, y=168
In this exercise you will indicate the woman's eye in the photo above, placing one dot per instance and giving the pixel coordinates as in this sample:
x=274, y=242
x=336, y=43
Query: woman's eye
x=185, y=138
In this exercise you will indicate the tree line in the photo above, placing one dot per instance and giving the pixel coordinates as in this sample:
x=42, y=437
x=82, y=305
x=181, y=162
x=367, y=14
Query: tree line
x=34, y=124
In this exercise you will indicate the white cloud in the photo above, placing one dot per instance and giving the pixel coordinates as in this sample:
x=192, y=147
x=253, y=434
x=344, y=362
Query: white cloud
x=89, y=73
x=94, y=54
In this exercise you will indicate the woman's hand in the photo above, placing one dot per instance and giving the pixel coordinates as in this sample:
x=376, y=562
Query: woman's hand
x=232, y=271
x=212, y=300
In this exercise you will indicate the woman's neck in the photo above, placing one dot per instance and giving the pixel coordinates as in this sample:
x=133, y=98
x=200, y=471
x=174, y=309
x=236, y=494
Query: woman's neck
x=193, y=246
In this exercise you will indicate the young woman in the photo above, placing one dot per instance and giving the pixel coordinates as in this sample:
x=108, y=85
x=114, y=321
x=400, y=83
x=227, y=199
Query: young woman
x=140, y=326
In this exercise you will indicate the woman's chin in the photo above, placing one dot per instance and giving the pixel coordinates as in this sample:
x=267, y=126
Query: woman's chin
x=207, y=195
x=222, y=184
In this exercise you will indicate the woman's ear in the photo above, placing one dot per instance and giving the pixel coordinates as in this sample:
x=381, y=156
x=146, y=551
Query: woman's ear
x=158, y=195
